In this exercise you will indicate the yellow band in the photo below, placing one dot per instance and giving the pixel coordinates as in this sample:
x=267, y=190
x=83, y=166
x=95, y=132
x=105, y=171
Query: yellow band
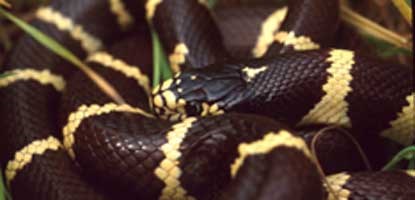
x=268, y=28
x=44, y=77
x=337, y=182
x=107, y=60
x=24, y=156
x=269, y=142
x=63, y=23
x=168, y=171
x=123, y=17
x=402, y=129
x=333, y=107
x=75, y=118
x=299, y=43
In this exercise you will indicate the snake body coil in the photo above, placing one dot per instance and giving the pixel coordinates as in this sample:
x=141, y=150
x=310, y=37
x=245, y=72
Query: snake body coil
x=63, y=138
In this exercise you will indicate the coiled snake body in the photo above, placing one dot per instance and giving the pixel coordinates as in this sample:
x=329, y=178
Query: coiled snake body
x=65, y=139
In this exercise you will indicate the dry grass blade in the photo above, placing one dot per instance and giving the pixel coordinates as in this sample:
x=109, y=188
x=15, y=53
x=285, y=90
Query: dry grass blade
x=348, y=135
x=321, y=171
x=5, y=4
x=369, y=27
x=313, y=152
x=103, y=84
x=404, y=9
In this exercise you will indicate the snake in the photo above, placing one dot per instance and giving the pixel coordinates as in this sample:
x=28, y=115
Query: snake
x=230, y=124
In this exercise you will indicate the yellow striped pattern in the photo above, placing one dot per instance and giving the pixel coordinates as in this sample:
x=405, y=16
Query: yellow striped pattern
x=266, y=144
x=44, y=77
x=123, y=17
x=63, y=23
x=75, y=119
x=130, y=71
x=337, y=182
x=24, y=156
x=403, y=127
x=268, y=28
x=168, y=171
x=333, y=107
x=151, y=7
x=178, y=57
x=299, y=43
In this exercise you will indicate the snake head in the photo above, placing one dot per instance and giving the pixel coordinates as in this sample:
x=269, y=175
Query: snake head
x=198, y=92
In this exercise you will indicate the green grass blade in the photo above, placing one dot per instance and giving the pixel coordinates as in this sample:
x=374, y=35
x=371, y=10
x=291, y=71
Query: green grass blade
x=2, y=189
x=42, y=38
x=3, y=192
x=166, y=72
x=161, y=68
x=156, y=58
x=406, y=153
x=61, y=51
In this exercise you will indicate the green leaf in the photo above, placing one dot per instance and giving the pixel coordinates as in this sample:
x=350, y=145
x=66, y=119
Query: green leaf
x=161, y=68
x=407, y=153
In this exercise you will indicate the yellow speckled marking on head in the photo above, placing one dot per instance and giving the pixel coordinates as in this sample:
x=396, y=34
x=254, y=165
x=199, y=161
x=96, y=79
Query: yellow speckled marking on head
x=166, y=84
x=403, y=127
x=299, y=43
x=332, y=108
x=44, y=77
x=170, y=99
x=251, y=73
x=75, y=118
x=151, y=7
x=211, y=110
x=63, y=23
x=24, y=156
x=158, y=101
x=336, y=182
x=168, y=170
x=124, y=18
x=266, y=144
x=178, y=57
x=156, y=89
x=268, y=28
x=130, y=71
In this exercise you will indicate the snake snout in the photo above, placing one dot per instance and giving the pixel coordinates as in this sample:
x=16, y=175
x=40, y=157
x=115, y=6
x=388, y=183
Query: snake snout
x=170, y=99
x=194, y=93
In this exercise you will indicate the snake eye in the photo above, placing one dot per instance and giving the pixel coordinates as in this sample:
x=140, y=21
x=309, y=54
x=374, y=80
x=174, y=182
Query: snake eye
x=193, y=109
